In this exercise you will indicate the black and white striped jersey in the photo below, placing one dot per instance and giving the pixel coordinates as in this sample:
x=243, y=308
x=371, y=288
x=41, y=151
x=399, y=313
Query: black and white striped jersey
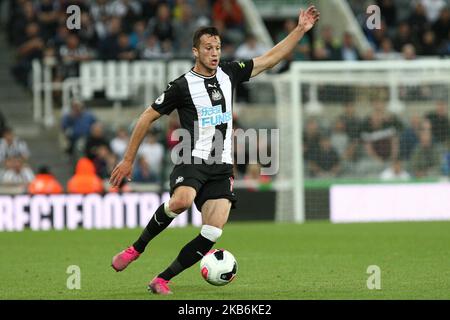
x=205, y=108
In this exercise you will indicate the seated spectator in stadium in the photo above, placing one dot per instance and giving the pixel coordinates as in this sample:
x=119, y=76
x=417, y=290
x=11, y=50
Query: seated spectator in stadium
x=161, y=25
x=327, y=46
x=95, y=139
x=31, y=48
x=45, y=183
x=85, y=180
x=16, y=172
x=76, y=124
x=2, y=124
x=441, y=27
x=425, y=160
x=379, y=134
x=303, y=49
x=203, y=12
x=184, y=29
x=439, y=120
x=25, y=15
x=138, y=36
x=47, y=12
x=12, y=146
x=149, y=8
x=72, y=53
x=409, y=52
x=143, y=172
x=230, y=13
x=119, y=143
x=352, y=122
x=109, y=42
x=444, y=49
x=348, y=50
x=100, y=11
x=153, y=152
x=428, y=45
x=403, y=36
x=342, y=143
x=387, y=51
x=87, y=33
x=124, y=51
x=325, y=162
x=409, y=138
x=250, y=48
x=151, y=49
x=395, y=172
x=311, y=138
x=433, y=8
x=104, y=161
x=418, y=20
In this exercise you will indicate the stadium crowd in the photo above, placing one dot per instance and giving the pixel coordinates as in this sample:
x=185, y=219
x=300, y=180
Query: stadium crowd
x=378, y=145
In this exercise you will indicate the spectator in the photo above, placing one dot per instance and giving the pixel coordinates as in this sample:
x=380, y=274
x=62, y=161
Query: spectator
x=138, y=36
x=250, y=49
x=428, y=45
x=230, y=13
x=12, y=146
x=100, y=11
x=379, y=134
x=386, y=51
x=128, y=10
x=76, y=124
x=409, y=52
x=149, y=8
x=403, y=36
x=348, y=51
x=104, y=161
x=327, y=47
x=31, y=48
x=151, y=49
x=119, y=143
x=87, y=34
x=311, y=139
x=395, y=172
x=95, y=140
x=325, y=162
x=439, y=120
x=26, y=15
x=173, y=125
x=16, y=173
x=418, y=20
x=254, y=180
x=410, y=136
x=441, y=27
x=143, y=172
x=303, y=50
x=184, y=29
x=124, y=51
x=108, y=47
x=341, y=141
x=352, y=123
x=153, y=152
x=85, y=180
x=72, y=53
x=425, y=158
x=161, y=26
x=47, y=14
x=44, y=183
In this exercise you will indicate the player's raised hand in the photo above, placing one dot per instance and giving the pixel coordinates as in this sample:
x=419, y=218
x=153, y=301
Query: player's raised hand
x=121, y=171
x=308, y=18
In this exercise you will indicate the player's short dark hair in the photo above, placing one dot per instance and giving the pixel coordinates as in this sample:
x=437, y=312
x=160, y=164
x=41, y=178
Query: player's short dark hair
x=200, y=32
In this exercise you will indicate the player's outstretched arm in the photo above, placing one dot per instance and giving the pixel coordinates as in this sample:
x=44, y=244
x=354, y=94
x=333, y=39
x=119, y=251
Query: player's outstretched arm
x=124, y=167
x=307, y=20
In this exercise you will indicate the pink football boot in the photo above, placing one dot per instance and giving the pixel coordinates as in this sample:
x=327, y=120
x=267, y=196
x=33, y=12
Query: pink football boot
x=121, y=260
x=159, y=286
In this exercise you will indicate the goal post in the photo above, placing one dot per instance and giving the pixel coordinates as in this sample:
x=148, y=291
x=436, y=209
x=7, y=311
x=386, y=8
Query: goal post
x=319, y=91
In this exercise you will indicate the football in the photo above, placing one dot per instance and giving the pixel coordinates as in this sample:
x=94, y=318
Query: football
x=218, y=267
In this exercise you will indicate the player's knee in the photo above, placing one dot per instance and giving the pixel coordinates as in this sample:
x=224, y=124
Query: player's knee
x=179, y=204
x=211, y=233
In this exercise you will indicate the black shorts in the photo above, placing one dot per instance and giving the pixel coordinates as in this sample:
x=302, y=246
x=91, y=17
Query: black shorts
x=211, y=181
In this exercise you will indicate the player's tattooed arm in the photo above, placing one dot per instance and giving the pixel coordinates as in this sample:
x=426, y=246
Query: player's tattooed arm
x=125, y=167
x=307, y=20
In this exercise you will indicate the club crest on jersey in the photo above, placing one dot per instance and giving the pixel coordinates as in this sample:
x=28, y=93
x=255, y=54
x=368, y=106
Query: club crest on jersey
x=160, y=99
x=216, y=96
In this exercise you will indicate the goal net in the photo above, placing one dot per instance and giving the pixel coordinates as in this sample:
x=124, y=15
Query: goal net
x=359, y=122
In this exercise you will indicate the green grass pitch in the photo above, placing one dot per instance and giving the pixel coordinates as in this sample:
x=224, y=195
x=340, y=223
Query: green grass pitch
x=276, y=261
